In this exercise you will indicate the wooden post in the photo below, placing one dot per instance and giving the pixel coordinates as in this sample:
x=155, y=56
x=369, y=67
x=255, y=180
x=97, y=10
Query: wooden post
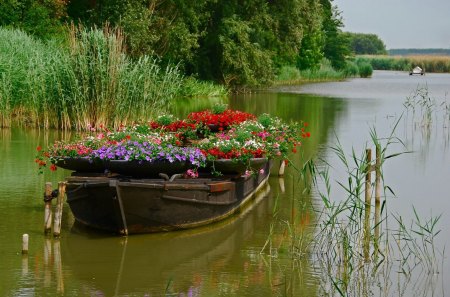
x=368, y=202
x=282, y=167
x=25, y=244
x=368, y=188
x=378, y=175
x=48, y=208
x=377, y=197
x=59, y=209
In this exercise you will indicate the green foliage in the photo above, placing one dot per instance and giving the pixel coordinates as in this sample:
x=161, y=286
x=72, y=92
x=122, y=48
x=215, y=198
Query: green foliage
x=351, y=69
x=243, y=62
x=219, y=108
x=336, y=47
x=323, y=73
x=236, y=43
x=89, y=84
x=232, y=42
x=311, y=52
x=366, y=44
x=165, y=119
x=365, y=69
x=192, y=87
x=428, y=63
x=288, y=73
x=419, y=51
x=43, y=19
x=265, y=119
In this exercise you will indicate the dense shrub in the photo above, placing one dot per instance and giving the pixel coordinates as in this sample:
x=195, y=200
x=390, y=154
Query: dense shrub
x=351, y=69
x=365, y=69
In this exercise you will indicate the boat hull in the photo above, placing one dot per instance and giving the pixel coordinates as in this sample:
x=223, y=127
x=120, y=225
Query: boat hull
x=128, y=205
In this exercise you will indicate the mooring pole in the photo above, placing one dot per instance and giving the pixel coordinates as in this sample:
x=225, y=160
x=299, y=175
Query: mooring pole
x=368, y=187
x=368, y=202
x=25, y=238
x=48, y=208
x=59, y=209
x=377, y=197
x=282, y=168
x=378, y=175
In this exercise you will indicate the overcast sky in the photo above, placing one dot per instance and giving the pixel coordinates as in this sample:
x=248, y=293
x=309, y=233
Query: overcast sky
x=400, y=23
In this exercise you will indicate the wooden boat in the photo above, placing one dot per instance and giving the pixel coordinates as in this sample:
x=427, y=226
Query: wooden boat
x=131, y=263
x=129, y=205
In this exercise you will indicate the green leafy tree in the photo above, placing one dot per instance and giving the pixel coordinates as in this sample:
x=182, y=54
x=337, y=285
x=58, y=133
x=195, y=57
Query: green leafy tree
x=366, y=44
x=43, y=19
x=336, y=47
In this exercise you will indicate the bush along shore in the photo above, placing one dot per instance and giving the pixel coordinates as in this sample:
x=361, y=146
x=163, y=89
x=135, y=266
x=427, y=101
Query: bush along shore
x=199, y=141
x=88, y=82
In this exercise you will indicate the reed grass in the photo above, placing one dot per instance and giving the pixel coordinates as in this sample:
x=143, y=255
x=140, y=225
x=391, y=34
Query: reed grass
x=429, y=63
x=353, y=244
x=89, y=83
x=291, y=75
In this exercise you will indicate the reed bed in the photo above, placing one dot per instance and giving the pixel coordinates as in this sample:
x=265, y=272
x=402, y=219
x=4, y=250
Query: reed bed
x=430, y=63
x=292, y=75
x=89, y=83
x=355, y=245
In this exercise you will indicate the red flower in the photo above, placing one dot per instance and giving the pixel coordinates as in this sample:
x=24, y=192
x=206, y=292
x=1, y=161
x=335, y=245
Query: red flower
x=39, y=148
x=53, y=167
x=223, y=120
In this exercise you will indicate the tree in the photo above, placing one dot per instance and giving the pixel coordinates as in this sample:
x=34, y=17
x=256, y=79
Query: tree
x=366, y=44
x=336, y=43
x=43, y=19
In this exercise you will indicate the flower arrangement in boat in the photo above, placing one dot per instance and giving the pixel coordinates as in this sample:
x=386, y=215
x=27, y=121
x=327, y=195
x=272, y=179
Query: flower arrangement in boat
x=149, y=152
x=219, y=118
x=243, y=139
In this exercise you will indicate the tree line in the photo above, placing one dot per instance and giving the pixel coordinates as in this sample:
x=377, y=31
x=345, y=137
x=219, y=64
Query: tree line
x=233, y=42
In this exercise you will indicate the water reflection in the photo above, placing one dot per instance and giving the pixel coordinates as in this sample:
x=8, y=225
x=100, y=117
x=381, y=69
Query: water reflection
x=185, y=263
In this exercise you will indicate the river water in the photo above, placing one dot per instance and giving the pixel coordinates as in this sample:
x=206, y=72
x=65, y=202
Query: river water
x=245, y=255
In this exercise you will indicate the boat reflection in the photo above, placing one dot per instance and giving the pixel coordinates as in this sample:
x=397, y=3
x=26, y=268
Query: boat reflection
x=178, y=262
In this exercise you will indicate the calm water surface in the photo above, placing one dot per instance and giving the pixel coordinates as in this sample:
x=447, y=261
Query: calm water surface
x=225, y=259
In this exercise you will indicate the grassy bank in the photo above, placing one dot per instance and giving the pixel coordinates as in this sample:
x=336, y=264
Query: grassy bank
x=88, y=83
x=290, y=75
x=430, y=63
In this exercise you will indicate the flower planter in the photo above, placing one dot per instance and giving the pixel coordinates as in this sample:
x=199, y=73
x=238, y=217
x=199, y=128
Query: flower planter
x=81, y=164
x=229, y=166
x=139, y=168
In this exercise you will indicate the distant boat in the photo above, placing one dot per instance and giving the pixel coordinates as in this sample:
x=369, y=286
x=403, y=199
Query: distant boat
x=417, y=70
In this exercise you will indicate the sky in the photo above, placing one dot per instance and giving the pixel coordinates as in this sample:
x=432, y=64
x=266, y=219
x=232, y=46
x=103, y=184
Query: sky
x=399, y=23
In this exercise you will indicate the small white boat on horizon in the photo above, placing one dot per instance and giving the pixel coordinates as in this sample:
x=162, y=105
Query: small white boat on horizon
x=417, y=70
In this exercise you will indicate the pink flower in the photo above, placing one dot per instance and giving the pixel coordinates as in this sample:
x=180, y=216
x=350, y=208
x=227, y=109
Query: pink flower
x=261, y=171
x=191, y=173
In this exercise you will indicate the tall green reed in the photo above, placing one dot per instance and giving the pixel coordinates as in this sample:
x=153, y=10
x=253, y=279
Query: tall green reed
x=352, y=243
x=87, y=83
